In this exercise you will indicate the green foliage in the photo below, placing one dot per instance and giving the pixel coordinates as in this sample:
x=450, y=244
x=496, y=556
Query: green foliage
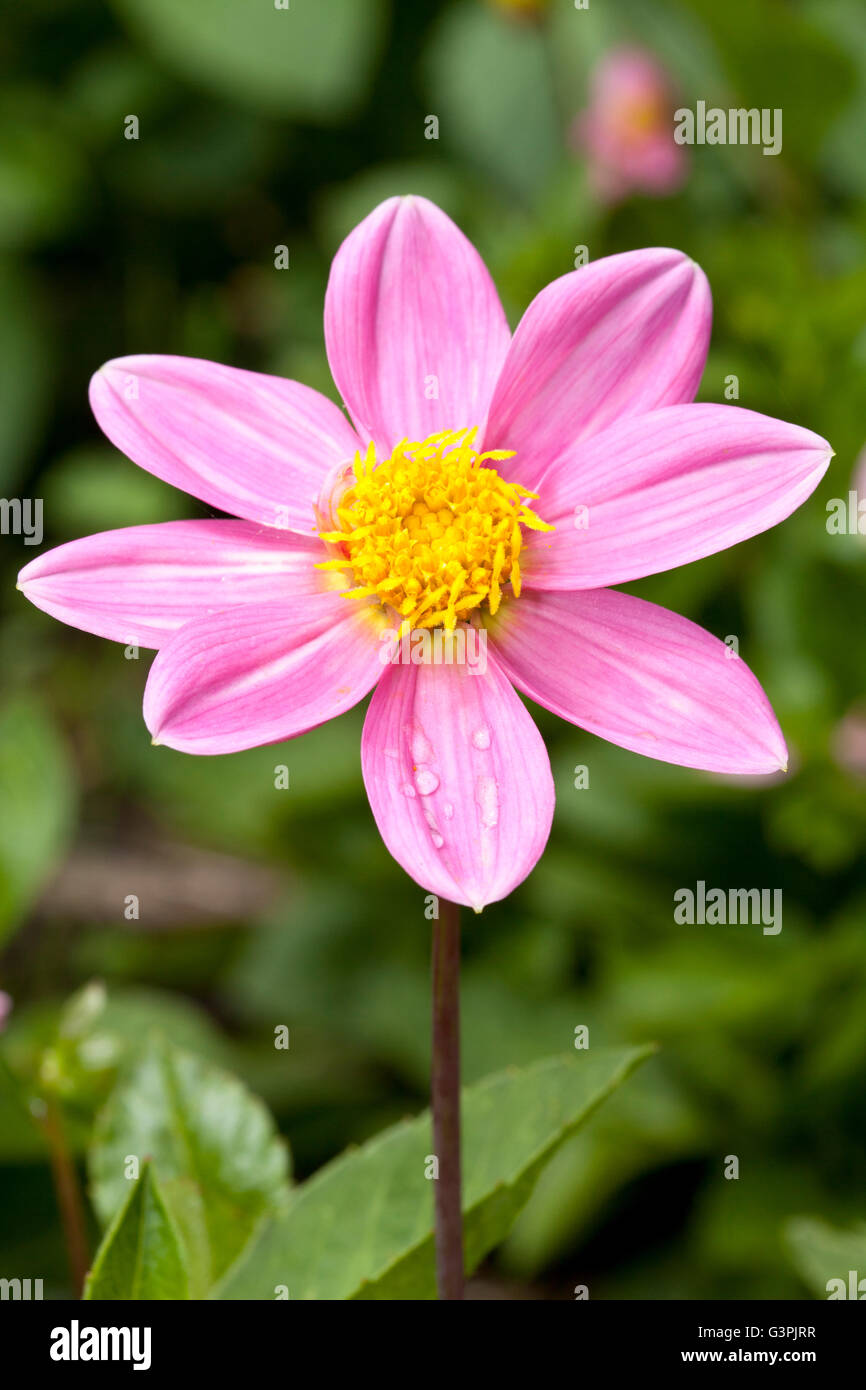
x=24, y=371
x=823, y=1254
x=330, y=1245
x=303, y=59
x=96, y=487
x=36, y=806
x=221, y=1165
x=141, y=1256
x=260, y=127
x=489, y=83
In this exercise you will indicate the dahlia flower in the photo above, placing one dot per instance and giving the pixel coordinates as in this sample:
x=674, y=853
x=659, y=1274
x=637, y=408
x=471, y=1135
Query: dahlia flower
x=627, y=130
x=488, y=486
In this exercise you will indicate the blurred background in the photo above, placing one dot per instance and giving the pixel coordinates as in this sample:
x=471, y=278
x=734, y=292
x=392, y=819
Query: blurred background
x=259, y=128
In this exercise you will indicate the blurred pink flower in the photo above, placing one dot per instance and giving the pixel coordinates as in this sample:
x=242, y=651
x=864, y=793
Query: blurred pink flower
x=858, y=478
x=270, y=625
x=627, y=130
x=849, y=741
x=5, y=1008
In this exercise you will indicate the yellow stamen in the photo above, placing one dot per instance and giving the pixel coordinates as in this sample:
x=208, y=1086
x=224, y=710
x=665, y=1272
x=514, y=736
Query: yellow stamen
x=433, y=531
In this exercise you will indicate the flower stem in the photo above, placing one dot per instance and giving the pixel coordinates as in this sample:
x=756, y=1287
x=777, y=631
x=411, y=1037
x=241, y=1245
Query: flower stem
x=69, y=1199
x=445, y=1099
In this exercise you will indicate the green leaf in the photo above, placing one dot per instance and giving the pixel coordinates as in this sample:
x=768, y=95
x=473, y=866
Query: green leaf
x=96, y=489
x=25, y=362
x=810, y=78
x=363, y=1227
x=76, y=1050
x=822, y=1253
x=845, y=150
x=81, y=1010
x=41, y=170
x=21, y=1140
x=222, y=1164
x=36, y=797
x=303, y=59
x=141, y=1256
x=489, y=83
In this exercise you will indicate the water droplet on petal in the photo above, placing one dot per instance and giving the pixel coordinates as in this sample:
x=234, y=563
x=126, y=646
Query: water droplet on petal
x=448, y=809
x=435, y=836
x=426, y=781
x=481, y=738
x=408, y=789
x=487, y=797
x=419, y=744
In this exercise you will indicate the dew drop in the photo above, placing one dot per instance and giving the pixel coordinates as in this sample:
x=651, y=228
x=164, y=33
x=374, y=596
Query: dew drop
x=419, y=744
x=435, y=836
x=426, y=781
x=487, y=797
x=449, y=810
x=408, y=789
x=481, y=738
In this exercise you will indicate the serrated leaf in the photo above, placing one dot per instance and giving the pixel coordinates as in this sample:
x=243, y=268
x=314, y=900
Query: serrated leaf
x=141, y=1256
x=822, y=1253
x=363, y=1227
x=221, y=1162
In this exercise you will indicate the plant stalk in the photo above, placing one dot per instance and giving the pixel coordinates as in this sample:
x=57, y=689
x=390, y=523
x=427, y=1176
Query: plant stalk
x=445, y=1101
x=70, y=1201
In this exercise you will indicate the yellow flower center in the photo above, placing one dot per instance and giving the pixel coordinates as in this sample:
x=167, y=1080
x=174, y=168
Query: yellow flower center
x=432, y=531
x=640, y=116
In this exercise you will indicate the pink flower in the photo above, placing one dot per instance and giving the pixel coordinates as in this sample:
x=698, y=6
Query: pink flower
x=857, y=523
x=627, y=131
x=584, y=413
x=849, y=741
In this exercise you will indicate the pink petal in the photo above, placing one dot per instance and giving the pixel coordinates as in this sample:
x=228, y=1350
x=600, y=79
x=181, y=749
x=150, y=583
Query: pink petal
x=414, y=329
x=640, y=676
x=255, y=675
x=617, y=337
x=142, y=583
x=668, y=488
x=257, y=446
x=458, y=779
